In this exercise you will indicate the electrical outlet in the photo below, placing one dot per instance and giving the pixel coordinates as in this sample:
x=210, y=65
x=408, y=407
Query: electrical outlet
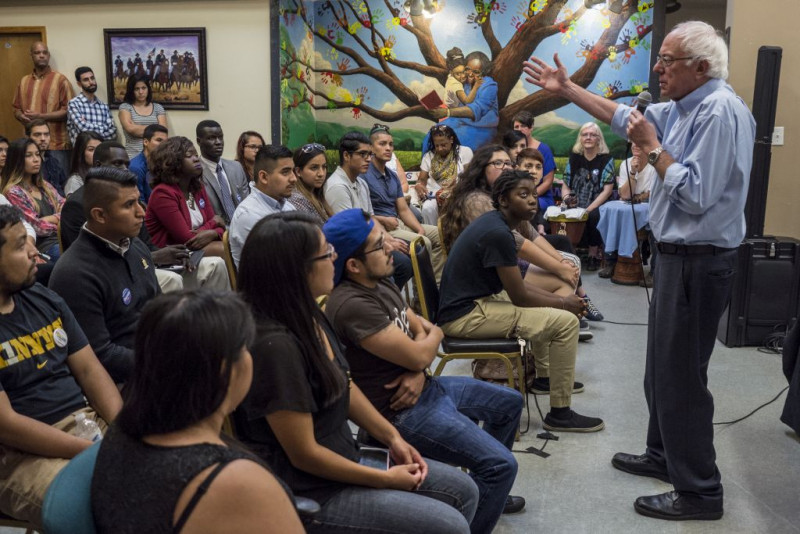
x=777, y=136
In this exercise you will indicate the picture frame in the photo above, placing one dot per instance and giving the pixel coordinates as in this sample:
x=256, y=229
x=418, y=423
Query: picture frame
x=173, y=59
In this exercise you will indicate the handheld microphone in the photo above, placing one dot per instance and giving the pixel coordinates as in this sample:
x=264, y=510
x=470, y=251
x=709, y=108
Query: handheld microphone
x=643, y=100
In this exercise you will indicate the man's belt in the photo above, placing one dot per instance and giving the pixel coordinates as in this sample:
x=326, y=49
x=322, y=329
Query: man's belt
x=691, y=250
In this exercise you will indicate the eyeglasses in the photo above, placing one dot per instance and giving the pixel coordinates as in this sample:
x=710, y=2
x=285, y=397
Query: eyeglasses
x=378, y=247
x=330, y=254
x=366, y=154
x=502, y=163
x=253, y=147
x=440, y=128
x=305, y=149
x=668, y=61
x=379, y=128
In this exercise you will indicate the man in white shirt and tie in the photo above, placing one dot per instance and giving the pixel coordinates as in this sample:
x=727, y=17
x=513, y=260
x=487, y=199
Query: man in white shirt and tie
x=225, y=181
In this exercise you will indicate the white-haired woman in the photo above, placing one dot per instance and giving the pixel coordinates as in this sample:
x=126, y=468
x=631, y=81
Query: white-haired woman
x=588, y=183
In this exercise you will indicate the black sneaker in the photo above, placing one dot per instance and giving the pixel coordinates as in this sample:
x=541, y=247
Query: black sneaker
x=592, y=264
x=514, y=504
x=607, y=271
x=584, y=334
x=541, y=386
x=574, y=423
x=592, y=313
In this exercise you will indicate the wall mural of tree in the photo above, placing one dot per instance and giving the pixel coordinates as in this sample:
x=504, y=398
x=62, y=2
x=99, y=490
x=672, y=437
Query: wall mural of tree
x=349, y=63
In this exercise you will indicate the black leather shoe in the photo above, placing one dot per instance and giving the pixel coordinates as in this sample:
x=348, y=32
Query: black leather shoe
x=514, y=504
x=641, y=465
x=673, y=506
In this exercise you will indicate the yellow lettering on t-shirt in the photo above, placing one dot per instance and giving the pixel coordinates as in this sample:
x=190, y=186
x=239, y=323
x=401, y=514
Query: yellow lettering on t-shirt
x=23, y=347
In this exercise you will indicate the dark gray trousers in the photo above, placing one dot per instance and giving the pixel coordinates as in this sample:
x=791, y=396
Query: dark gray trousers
x=689, y=295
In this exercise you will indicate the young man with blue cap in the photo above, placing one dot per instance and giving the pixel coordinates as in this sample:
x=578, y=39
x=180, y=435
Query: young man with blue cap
x=389, y=348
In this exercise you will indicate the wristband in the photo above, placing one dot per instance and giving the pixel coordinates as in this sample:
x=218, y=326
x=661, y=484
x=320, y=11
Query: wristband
x=448, y=113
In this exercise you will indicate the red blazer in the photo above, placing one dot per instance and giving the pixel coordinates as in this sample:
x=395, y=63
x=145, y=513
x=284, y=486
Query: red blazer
x=167, y=218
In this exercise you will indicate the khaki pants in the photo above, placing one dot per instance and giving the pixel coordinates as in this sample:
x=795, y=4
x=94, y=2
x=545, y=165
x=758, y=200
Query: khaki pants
x=211, y=273
x=25, y=477
x=432, y=242
x=552, y=333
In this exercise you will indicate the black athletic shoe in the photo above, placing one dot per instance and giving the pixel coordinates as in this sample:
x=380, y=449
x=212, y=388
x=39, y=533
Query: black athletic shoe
x=592, y=313
x=541, y=386
x=574, y=423
x=514, y=504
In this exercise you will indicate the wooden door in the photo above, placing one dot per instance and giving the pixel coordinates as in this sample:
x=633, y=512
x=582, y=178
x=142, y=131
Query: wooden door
x=15, y=62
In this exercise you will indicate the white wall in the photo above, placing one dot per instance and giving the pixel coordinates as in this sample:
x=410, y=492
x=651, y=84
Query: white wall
x=237, y=48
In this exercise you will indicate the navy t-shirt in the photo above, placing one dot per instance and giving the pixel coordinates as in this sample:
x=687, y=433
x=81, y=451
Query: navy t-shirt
x=471, y=269
x=36, y=339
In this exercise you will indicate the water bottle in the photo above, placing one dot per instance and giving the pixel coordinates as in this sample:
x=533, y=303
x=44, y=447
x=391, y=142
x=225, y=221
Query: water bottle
x=87, y=428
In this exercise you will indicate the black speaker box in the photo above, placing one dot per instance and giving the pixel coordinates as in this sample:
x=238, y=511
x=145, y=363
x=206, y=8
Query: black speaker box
x=766, y=291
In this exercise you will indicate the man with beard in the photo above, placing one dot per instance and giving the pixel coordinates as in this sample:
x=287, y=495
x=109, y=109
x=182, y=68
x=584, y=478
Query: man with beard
x=46, y=369
x=86, y=112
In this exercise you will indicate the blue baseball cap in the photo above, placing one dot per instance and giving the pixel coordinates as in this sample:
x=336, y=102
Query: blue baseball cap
x=346, y=231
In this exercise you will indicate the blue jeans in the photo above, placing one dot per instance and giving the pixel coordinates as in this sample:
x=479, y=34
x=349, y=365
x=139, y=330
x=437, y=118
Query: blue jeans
x=444, y=504
x=442, y=426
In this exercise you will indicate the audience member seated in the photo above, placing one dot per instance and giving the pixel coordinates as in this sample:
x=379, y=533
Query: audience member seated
x=642, y=176
x=53, y=170
x=311, y=169
x=272, y=188
x=523, y=122
x=82, y=160
x=40, y=203
x=210, y=272
x=154, y=135
x=3, y=153
x=388, y=347
x=138, y=111
x=179, y=212
x=163, y=465
x=483, y=295
x=513, y=142
x=588, y=183
x=441, y=166
x=246, y=149
x=107, y=275
x=345, y=189
x=86, y=112
x=389, y=203
x=225, y=181
x=48, y=373
x=295, y=415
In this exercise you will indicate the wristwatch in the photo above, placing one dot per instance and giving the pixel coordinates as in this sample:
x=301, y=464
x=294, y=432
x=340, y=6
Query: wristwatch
x=653, y=156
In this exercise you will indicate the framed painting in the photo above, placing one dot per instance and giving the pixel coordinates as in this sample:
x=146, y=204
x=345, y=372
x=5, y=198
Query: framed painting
x=173, y=60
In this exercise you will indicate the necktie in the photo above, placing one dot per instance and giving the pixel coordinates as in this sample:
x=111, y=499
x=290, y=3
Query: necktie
x=225, y=189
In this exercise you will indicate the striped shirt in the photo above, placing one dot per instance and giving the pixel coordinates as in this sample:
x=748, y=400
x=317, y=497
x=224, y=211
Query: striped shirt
x=134, y=145
x=84, y=115
x=46, y=94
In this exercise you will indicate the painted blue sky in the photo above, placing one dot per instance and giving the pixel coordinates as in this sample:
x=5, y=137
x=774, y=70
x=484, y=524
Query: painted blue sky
x=129, y=46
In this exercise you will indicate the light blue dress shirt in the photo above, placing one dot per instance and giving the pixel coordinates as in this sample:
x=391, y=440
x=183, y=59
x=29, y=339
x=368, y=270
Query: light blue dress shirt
x=711, y=134
x=252, y=209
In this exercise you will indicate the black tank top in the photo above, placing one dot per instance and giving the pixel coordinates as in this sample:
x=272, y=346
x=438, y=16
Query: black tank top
x=136, y=486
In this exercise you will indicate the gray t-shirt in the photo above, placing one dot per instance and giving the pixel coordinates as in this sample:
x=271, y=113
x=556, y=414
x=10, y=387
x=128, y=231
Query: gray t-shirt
x=342, y=194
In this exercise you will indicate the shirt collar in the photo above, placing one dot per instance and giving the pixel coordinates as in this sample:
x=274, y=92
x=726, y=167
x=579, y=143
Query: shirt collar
x=373, y=171
x=47, y=71
x=121, y=248
x=269, y=201
x=210, y=165
x=693, y=99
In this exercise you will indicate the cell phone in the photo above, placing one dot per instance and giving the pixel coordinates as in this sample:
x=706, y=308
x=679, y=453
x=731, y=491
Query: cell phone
x=374, y=457
x=194, y=258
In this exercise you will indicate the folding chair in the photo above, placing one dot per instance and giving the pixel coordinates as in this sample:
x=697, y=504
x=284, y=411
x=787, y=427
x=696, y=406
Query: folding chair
x=505, y=349
x=228, y=257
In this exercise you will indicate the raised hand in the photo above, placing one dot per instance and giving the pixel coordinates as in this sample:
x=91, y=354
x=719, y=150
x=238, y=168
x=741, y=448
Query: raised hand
x=539, y=73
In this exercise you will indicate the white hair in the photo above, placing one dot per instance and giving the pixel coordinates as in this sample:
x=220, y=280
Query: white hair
x=602, y=147
x=703, y=43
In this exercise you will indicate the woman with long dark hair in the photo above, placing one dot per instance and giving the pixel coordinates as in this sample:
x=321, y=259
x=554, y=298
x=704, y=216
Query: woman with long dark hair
x=295, y=415
x=24, y=187
x=82, y=159
x=165, y=449
x=137, y=111
x=179, y=211
x=441, y=164
x=246, y=149
x=3, y=152
x=311, y=169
